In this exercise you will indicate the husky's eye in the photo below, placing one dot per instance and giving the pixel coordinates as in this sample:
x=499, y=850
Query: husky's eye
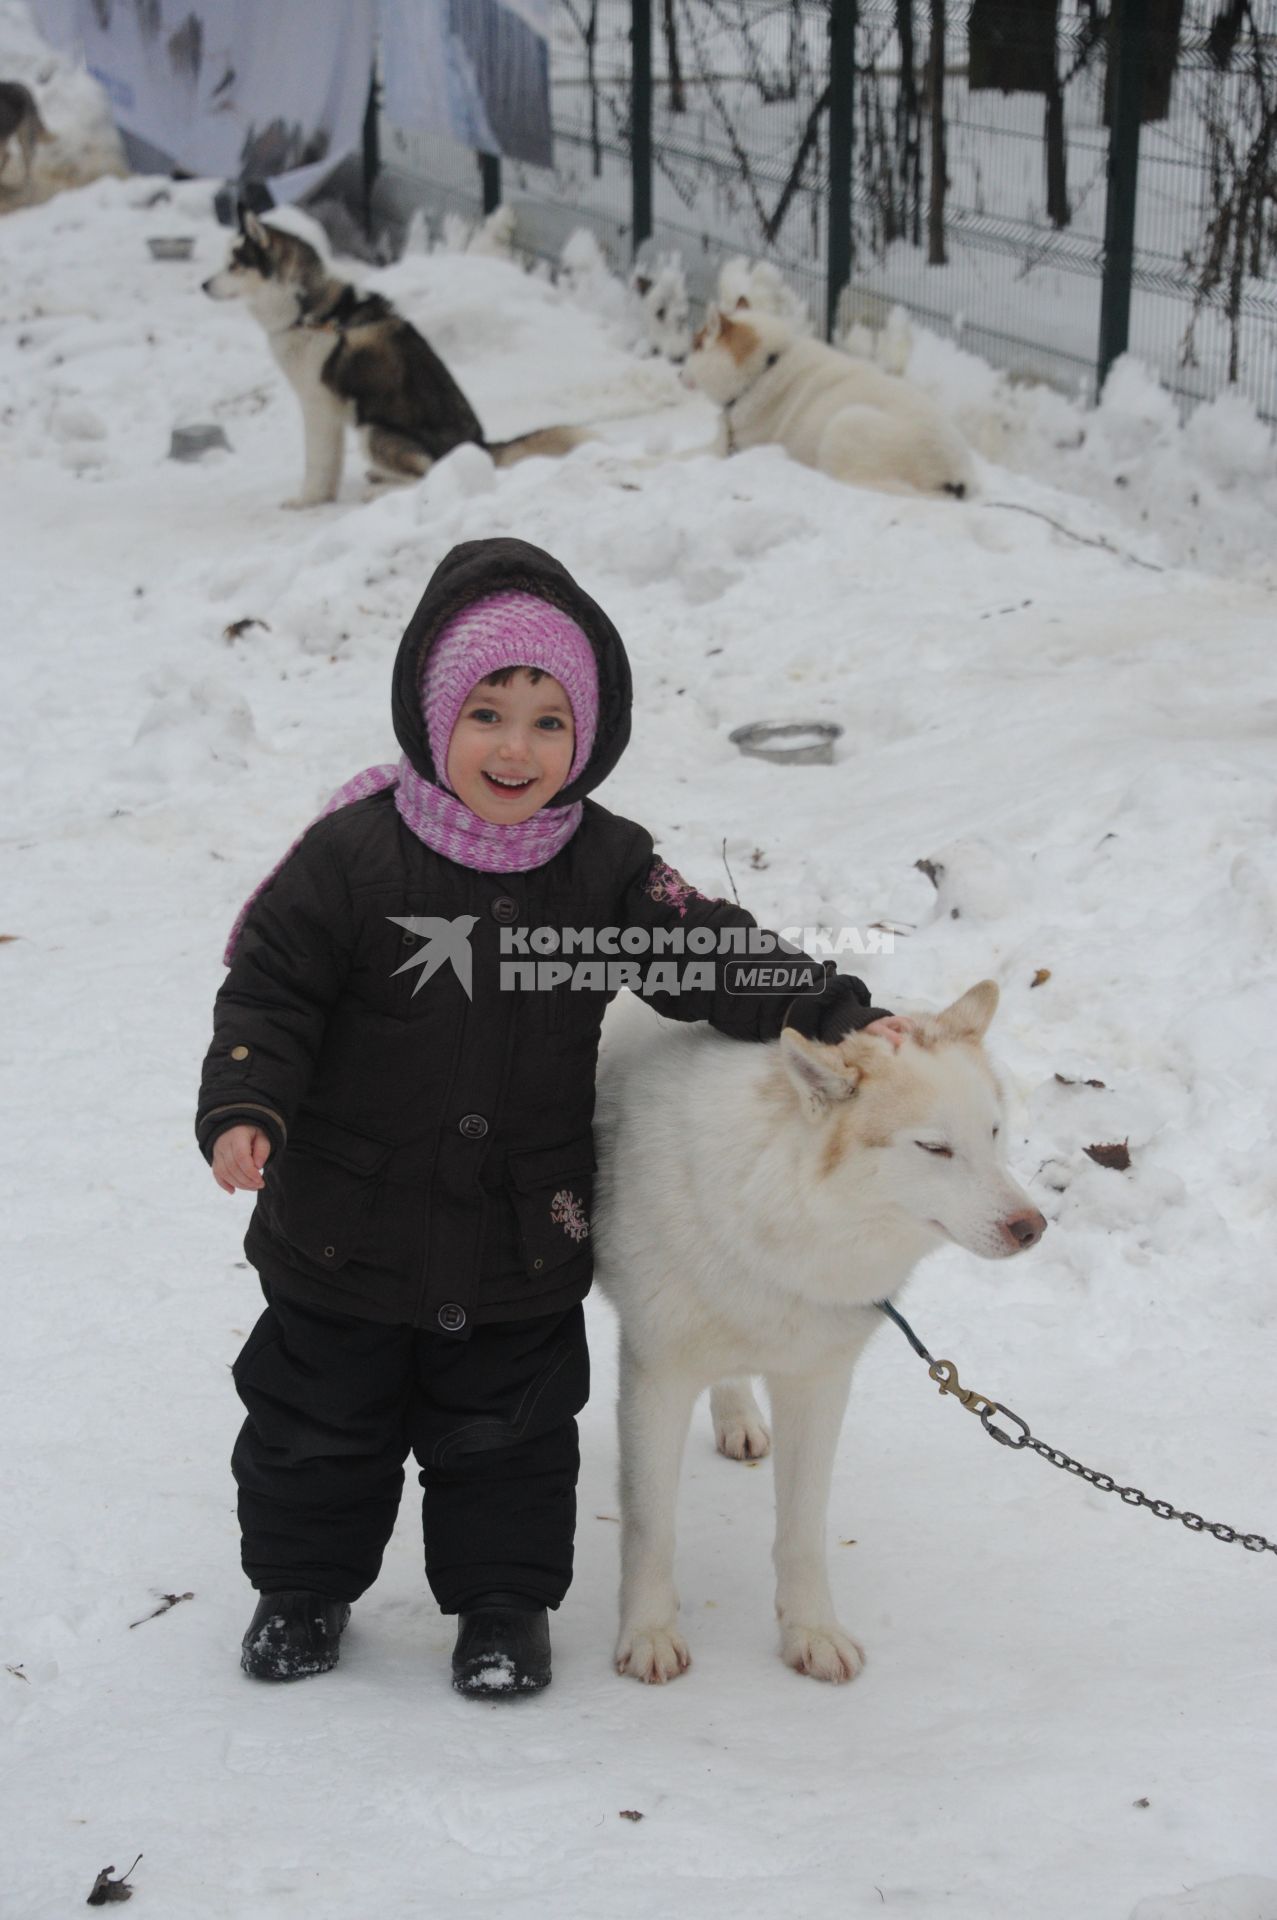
x=946, y=1153
x=660, y=313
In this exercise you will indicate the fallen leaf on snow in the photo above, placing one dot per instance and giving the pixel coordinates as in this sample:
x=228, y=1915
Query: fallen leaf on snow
x=1116, y=1154
x=1041, y=977
x=104, y=1888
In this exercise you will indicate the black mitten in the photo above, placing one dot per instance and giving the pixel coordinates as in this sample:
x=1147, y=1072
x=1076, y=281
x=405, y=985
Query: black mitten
x=841, y=1007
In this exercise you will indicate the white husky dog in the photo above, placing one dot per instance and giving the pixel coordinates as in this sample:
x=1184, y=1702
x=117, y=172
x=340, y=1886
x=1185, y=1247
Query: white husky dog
x=850, y=420
x=754, y=1203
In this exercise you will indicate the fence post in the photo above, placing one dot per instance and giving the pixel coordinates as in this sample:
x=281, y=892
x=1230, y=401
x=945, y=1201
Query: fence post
x=842, y=101
x=490, y=181
x=490, y=176
x=641, y=120
x=371, y=147
x=1126, y=50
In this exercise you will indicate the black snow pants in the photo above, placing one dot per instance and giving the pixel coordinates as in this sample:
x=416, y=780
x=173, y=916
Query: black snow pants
x=335, y=1405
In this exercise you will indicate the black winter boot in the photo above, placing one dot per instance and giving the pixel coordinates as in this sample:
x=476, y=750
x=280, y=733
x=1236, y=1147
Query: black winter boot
x=293, y=1634
x=503, y=1648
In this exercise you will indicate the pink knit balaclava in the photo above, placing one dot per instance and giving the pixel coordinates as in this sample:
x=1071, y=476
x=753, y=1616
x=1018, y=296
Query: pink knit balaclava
x=504, y=630
x=508, y=630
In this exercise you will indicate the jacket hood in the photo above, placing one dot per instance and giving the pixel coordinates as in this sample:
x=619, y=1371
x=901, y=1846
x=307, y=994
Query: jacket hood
x=471, y=572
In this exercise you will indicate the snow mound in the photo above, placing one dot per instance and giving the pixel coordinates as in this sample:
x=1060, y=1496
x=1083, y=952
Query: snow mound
x=1242, y=1896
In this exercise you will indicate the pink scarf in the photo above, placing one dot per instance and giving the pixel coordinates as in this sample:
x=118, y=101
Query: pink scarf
x=443, y=823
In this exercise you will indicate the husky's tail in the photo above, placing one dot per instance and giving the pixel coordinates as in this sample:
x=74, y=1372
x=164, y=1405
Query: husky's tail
x=547, y=442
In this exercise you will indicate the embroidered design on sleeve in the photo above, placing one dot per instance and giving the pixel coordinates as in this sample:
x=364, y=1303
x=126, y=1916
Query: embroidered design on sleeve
x=567, y=1212
x=669, y=888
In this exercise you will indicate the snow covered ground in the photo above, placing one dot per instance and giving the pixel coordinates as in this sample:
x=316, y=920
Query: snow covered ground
x=1068, y=1709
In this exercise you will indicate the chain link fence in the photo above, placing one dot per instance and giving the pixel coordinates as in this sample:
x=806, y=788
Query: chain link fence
x=1045, y=181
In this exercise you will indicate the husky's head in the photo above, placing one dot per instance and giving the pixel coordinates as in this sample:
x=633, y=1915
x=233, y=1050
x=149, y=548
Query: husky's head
x=916, y=1128
x=732, y=350
x=661, y=291
x=277, y=273
x=761, y=287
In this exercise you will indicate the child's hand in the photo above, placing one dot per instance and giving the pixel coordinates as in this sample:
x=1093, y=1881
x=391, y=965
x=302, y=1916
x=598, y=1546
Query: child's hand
x=894, y=1028
x=239, y=1155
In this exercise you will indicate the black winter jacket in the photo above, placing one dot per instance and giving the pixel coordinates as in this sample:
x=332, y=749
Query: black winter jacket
x=431, y=1151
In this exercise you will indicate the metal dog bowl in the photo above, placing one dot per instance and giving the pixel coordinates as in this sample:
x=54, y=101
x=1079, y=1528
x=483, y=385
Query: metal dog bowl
x=191, y=443
x=791, y=743
x=177, y=246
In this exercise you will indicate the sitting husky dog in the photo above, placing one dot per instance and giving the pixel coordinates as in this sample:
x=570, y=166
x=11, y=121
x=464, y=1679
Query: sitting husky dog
x=827, y=410
x=753, y=1204
x=20, y=121
x=349, y=355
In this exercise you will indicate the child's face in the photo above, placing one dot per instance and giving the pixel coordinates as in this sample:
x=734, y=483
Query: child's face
x=512, y=747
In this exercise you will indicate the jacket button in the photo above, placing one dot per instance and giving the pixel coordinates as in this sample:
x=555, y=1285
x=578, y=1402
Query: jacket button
x=452, y=1317
x=239, y=1053
x=504, y=910
x=473, y=1126
x=330, y=1253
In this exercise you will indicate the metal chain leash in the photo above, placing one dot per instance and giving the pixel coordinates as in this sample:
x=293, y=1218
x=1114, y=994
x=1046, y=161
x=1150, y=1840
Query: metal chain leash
x=1017, y=1436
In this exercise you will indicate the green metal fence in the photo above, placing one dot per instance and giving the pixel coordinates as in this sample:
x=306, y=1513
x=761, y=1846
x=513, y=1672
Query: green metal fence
x=1048, y=181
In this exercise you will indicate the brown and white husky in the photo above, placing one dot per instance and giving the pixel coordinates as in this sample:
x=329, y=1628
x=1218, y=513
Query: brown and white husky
x=20, y=123
x=351, y=358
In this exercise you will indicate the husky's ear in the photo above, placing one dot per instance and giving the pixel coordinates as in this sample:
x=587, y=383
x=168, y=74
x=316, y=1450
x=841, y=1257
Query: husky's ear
x=969, y=1017
x=819, y=1074
x=252, y=226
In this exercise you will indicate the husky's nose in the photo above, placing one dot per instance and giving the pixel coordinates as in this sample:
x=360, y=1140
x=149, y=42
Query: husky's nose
x=1023, y=1229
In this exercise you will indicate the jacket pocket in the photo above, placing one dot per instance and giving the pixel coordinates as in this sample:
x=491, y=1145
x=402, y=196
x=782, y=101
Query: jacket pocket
x=552, y=1192
x=327, y=1180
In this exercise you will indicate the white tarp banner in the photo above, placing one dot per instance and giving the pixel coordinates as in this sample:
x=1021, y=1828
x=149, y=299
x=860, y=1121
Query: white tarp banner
x=58, y=21
x=477, y=71
x=233, y=87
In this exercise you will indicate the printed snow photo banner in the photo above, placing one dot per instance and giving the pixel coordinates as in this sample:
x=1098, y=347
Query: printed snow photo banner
x=58, y=22
x=476, y=71
x=230, y=87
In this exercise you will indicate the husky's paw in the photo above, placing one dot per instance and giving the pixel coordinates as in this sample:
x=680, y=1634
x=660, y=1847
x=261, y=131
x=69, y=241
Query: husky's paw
x=826, y=1653
x=740, y=1431
x=304, y=500
x=652, y=1654
x=742, y=1438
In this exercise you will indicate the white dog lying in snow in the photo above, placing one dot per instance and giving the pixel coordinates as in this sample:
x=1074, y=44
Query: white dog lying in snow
x=843, y=416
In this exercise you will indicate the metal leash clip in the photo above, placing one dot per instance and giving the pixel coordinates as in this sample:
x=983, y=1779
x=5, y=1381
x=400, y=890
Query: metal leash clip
x=945, y=1374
